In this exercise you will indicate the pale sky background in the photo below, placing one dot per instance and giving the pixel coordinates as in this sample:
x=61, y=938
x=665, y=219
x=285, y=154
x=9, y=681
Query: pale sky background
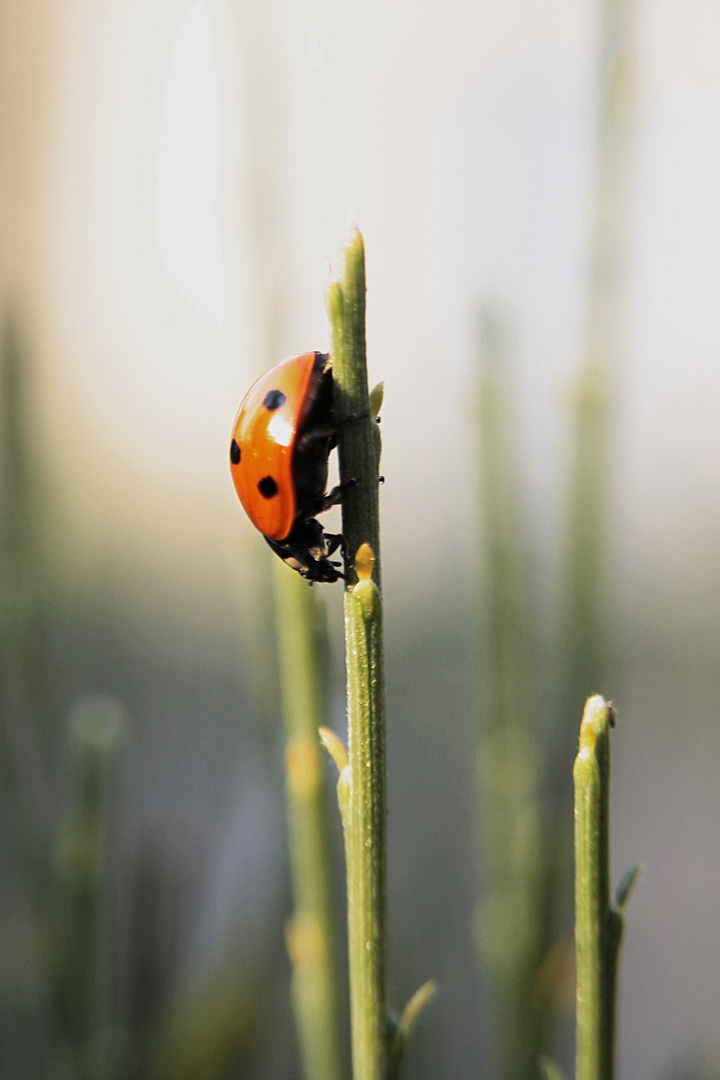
x=461, y=149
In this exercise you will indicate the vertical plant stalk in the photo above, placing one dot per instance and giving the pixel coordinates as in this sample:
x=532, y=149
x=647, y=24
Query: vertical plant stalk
x=583, y=635
x=512, y=919
x=591, y=775
x=311, y=931
x=359, y=439
x=366, y=810
x=366, y=819
x=599, y=923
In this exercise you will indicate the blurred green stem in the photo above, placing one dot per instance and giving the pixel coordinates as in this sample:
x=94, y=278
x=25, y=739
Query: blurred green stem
x=27, y=689
x=311, y=931
x=583, y=638
x=366, y=810
x=512, y=918
x=84, y=978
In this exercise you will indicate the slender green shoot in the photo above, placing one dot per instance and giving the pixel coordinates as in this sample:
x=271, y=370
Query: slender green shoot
x=616, y=929
x=311, y=931
x=549, y=1069
x=598, y=923
x=401, y=1034
x=337, y=751
x=364, y=817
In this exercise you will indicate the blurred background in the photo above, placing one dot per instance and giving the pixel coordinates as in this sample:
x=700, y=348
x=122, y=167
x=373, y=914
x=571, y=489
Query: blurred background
x=175, y=179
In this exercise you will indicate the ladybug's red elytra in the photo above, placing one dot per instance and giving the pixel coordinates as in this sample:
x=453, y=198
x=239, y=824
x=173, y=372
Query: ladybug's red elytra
x=282, y=437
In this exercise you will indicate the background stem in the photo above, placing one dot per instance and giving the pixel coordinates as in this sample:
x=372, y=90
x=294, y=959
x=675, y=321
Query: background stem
x=512, y=922
x=583, y=653
x=311, y=931
x=84, y=981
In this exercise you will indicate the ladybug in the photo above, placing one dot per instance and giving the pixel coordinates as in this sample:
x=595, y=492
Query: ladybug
x=283, y=433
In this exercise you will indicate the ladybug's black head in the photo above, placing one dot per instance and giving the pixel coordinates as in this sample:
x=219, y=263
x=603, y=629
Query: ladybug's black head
x=305, y=550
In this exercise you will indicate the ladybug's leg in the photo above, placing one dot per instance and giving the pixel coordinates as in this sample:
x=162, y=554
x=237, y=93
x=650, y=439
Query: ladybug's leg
x=318, y=432
x=335, y=541
x=335, y=495
x=350, y=420
x=341, y=424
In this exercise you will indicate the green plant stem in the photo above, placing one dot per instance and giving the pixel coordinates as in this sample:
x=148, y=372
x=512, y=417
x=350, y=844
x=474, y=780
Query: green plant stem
x=359, y=437
x=365, y=815
x=311, y=931
x=596, y=948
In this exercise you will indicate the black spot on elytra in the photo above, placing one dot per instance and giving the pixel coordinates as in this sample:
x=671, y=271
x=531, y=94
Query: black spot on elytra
x=274, y=399
x=267, y=487
x=234, y=452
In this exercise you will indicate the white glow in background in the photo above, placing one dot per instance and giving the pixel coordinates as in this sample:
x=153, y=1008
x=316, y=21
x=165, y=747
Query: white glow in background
x=188, y=169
